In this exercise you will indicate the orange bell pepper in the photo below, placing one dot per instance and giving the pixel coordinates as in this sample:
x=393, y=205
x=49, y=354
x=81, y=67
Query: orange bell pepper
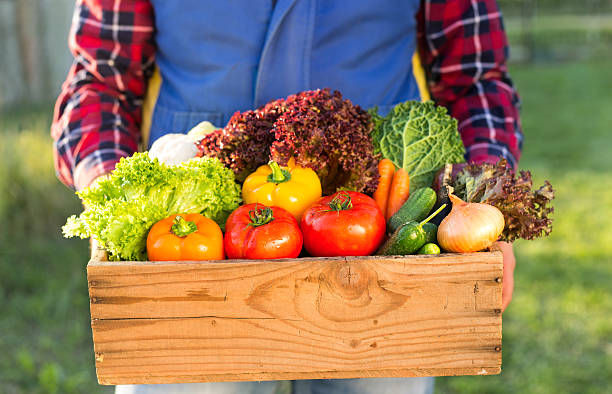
x=185, y=237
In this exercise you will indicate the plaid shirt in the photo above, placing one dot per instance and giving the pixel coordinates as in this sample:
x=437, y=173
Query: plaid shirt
x=97, y=118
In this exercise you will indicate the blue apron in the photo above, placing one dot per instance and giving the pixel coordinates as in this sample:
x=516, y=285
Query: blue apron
x=218, y=57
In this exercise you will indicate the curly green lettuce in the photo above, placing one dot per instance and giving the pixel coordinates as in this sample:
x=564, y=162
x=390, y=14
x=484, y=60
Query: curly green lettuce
x=419, y=137
x=122, y=206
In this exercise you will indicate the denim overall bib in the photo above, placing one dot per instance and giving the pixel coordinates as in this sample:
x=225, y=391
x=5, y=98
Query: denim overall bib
x=218, y=57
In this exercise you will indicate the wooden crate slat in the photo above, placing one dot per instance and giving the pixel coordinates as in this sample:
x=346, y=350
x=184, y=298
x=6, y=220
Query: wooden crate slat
x=144, y=289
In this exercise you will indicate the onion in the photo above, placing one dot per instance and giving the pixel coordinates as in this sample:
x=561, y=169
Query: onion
x=470, y=227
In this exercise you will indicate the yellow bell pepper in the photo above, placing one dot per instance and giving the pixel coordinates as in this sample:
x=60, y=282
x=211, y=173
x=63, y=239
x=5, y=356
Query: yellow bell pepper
x=293, y=188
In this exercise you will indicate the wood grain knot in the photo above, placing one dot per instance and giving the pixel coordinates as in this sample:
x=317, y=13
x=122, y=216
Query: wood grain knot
x=352, y=292
x=351, y=279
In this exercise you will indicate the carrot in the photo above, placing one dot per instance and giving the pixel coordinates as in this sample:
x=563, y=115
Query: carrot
x=381, y=195
x=400, y=190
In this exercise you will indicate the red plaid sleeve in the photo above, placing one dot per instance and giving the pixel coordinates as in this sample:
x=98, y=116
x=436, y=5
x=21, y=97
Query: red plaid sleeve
x=464, y=49
x=98, y=114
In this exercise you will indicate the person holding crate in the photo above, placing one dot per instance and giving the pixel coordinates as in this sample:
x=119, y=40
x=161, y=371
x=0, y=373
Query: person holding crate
x=144, y=68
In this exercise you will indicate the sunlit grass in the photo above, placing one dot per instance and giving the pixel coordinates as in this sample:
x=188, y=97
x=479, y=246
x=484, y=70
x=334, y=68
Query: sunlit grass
x=45, y=345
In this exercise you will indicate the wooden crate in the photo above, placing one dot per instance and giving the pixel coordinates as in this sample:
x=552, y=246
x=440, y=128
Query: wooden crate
x=296, y=319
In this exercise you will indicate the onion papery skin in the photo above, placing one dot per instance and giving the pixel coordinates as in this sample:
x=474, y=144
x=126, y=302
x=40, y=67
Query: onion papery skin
x=470, y=227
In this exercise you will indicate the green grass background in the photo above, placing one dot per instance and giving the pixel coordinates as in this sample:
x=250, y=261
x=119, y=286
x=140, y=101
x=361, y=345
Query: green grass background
x=556, y=333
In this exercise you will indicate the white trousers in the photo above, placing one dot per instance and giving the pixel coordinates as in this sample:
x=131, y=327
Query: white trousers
x=331, y=386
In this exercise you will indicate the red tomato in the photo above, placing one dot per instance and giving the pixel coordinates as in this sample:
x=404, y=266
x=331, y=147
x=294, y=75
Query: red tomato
x=254, y=231
x=343, y=224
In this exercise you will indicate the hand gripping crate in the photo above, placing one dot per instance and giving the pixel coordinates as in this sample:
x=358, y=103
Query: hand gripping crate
x=343, y=317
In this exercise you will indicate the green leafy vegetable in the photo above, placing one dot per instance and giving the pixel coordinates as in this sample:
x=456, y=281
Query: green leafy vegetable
x=420, y=137
x=526, y=211
x=122, y=207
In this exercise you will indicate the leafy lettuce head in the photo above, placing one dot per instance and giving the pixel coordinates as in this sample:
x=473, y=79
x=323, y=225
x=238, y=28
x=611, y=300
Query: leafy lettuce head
x=122, y=207
x=419, y=137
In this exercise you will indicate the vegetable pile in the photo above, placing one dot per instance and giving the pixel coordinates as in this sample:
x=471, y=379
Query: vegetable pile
x=318, y=176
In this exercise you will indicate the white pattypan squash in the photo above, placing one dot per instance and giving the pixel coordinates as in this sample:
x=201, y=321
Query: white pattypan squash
x=176, y=148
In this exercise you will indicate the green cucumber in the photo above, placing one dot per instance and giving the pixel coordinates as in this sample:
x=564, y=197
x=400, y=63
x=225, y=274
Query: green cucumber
x=431, y=233
x=415, y=209
x=407, y=239
x=429, y=248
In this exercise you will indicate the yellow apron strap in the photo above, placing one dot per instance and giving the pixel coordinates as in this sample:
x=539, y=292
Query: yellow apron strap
x=419, y=75
x=148, y=106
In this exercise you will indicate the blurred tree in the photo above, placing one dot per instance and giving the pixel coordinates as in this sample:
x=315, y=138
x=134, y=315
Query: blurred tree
x=513, y=7
x=34, y=55
x=29, y=30
x=558, y=29
x=526, y=10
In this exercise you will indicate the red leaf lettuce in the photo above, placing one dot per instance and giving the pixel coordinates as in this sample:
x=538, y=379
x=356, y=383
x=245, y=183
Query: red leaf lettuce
x=526, y=211
x=319, y=128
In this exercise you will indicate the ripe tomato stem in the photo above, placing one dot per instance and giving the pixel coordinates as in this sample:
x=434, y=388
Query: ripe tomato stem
x=341, y=202
x=260, y=216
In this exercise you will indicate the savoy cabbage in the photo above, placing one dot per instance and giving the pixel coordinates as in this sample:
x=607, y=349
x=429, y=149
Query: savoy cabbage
x=419, y=137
